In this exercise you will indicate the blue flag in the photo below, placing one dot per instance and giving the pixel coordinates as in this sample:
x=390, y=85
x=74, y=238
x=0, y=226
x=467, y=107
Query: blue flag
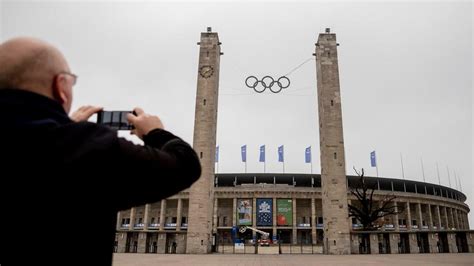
x=217, y=154
x=307, y=155
x=373, y=160
x=281, y=154
x=243, y=151
x=262, y=153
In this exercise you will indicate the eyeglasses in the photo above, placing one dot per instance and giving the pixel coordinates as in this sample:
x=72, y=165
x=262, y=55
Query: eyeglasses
x=72, y=75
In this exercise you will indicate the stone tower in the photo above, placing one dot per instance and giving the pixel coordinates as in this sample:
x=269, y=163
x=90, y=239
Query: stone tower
x=205, y=124
x=333, y=168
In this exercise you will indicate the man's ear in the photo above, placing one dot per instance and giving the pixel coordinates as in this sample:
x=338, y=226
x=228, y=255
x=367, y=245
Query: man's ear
x=59, y=86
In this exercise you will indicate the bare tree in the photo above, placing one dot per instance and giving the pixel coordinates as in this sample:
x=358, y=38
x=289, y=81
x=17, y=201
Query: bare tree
x=367, y=211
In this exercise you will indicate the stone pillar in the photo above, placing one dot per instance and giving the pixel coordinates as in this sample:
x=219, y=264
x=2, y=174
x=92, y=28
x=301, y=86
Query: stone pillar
x=413, y=243
x=201, y=193
x=374, y=243
x=446, y=217
x=394, y=239
x=122, y=242
x=119, y=221
x=181, y=243
x=162, y=215
x=146, y=217
x=179, y=214
x=456, y=219
x=408, y=216
x=433, y=242
x=332, y=152
x=313, y=220
x=141, y=242
x=430, y=218
x=132, y=218
x=397, y=225
x=470, y=241
x=452, y=243
x=450, y=217
x=294, y=234
x=214, y=217
x=438, y=213
x=420, y=216
x=161, y=249
x=234, y=212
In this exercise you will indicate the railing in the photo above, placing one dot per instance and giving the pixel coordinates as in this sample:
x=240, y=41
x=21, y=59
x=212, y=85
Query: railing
x=303, y=225
x=248, y=248
x=139, y=226
x=153, y=226
x=125, y=225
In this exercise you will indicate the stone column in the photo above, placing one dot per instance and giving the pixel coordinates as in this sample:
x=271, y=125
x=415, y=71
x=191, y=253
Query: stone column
x=446, y=217
x=374, y=243
x=420, y=216
x=179, y=214
x=433, y=242
x=397, y=225
x=413, y=243
x=313, y=220
x=141, y=248
x=452, y=243
x=456, y=219
x=439, y=217
x=295, y=236
x=394, y=239
x=430, y=217
x=122, y=242
x=162, y=216
x=119, y=221
x=132, y=218
x=161, y=249
x=408, y=216
x=146, y=217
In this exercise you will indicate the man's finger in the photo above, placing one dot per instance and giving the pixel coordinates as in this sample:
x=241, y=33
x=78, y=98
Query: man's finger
x=138, y=111
x=131, y=118
x=90, y=110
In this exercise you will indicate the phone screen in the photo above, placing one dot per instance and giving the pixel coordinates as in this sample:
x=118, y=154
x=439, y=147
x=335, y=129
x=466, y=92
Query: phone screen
x=114, y=119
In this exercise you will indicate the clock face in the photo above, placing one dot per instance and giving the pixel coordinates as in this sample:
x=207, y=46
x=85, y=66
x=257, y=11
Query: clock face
x=206, y=71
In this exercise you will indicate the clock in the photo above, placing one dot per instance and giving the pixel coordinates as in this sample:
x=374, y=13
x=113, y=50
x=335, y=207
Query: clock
x=206, y=71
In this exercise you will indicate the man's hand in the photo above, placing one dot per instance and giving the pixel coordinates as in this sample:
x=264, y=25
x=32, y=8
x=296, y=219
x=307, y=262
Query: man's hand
x=143, y=122
x=84, y=113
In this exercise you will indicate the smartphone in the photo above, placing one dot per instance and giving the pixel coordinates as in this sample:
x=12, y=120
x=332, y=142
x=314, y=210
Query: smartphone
x=115, y=119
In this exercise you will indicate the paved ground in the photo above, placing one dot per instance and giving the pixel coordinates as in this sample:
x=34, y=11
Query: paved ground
x=124, y=259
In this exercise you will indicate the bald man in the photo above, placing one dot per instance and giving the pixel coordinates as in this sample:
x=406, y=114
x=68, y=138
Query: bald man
x=63, y=178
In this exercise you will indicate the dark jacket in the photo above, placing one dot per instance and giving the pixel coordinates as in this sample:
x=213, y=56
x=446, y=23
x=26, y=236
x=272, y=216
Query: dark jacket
x=63, y=182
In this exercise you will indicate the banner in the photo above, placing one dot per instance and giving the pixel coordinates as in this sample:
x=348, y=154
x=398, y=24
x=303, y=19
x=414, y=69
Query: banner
x=307, y=155
x=264, y=212
x=262, y=154
x=281, y=154
x=244, y=212
x=373, y=160
x=284, y=212
x=243, y=152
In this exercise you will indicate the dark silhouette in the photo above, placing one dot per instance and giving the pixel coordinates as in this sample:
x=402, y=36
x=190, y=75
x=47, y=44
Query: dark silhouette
x=366, y=209
x=65, y=179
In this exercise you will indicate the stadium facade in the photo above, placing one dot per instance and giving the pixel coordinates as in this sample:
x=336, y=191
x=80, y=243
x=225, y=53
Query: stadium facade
x=303, y=213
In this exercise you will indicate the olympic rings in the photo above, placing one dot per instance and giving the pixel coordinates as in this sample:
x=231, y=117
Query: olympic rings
x=267, y=82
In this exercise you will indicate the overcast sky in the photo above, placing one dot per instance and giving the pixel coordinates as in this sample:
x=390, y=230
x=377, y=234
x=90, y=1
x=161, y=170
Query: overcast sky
x=405, y=74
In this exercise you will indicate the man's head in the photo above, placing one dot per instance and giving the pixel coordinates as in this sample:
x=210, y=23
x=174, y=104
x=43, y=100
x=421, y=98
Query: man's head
x=36, y=66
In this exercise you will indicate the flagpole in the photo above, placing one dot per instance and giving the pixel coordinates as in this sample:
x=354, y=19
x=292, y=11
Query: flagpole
x=456, y=180
x=449, y=178
x=245, y=166
x=437, y=170
x=422, y=169
x=401, y=160
x=311, y=166
x=283, y=166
